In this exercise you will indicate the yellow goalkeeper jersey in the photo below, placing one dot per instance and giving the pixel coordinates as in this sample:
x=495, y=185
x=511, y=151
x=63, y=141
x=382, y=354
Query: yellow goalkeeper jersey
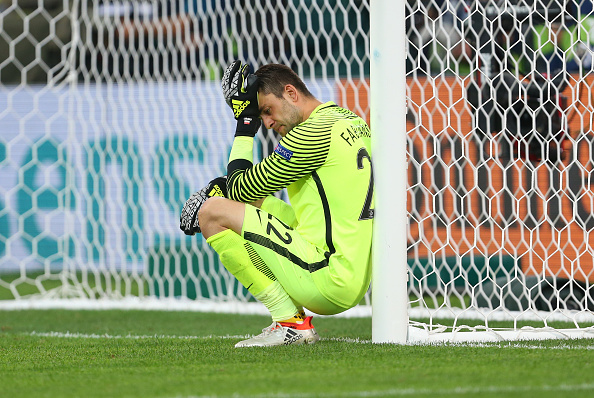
x=325, y=164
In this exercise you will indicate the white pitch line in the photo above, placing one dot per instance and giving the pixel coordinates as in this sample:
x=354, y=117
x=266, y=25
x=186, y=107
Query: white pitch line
x=416, y=391
x=131, y=336
x=163, y=336
x=339, y=339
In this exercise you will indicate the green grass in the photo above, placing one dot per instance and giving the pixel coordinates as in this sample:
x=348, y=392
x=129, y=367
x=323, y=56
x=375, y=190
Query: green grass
x=181, y=354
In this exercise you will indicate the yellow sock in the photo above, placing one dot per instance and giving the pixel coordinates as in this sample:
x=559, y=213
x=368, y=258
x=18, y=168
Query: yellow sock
x=277, y=301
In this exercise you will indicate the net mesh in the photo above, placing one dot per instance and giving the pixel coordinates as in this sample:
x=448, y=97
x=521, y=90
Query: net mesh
x=111, y=115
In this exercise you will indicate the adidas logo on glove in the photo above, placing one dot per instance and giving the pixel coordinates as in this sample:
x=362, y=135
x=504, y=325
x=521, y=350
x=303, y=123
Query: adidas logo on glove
x=239, y=106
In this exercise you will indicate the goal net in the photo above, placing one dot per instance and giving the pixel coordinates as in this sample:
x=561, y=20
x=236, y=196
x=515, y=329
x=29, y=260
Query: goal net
x=111, y=115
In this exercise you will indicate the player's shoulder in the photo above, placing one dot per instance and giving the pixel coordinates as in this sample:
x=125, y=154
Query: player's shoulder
x=330, y=110
x=325, y=117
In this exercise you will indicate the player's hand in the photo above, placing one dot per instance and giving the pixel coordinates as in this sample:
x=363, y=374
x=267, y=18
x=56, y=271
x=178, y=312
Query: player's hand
x=188, y=222
x=240, y=89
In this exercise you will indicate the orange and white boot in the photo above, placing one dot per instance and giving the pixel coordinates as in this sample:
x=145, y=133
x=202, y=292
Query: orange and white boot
x=283, y=333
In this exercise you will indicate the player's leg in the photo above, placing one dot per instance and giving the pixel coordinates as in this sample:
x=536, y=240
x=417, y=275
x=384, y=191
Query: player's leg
x=292, y=260
x=218, y=213
x=221, y=221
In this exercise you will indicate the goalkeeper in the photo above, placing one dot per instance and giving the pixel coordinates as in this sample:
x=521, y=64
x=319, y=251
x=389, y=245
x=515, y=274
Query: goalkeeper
x=316, y=252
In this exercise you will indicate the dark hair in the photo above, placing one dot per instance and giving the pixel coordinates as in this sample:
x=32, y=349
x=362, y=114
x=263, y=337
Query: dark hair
x=273, y=78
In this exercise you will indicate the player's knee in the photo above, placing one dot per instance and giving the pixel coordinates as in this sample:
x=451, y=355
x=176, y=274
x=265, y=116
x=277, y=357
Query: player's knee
x=219, y=213
x=210, y=214
x=210, y=210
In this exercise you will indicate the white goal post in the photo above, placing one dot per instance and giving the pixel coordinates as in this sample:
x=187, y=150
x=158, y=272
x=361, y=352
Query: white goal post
x=111, y=115
x=388, y=115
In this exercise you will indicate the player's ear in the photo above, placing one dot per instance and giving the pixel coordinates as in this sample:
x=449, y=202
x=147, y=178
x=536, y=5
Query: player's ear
x=291, y=92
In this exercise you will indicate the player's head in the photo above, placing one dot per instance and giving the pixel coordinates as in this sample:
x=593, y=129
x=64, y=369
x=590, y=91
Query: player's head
x=273, y=79
x=281, y=97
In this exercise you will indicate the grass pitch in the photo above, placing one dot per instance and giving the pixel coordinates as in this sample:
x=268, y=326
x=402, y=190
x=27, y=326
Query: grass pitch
x=179, y=354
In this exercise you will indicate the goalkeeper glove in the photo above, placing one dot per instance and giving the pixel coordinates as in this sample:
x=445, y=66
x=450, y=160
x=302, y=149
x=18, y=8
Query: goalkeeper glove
x=188, y=221
x=240, y=90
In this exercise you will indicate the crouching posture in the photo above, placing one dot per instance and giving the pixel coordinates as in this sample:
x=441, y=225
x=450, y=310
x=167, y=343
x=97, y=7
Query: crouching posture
x=314, y=253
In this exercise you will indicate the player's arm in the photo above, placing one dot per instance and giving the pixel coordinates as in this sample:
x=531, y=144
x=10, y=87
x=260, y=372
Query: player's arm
x=280, y=209
x=298, y=154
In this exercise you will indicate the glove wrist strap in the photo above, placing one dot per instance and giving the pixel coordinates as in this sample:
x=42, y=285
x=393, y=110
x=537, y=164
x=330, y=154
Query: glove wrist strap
x=247, y=126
